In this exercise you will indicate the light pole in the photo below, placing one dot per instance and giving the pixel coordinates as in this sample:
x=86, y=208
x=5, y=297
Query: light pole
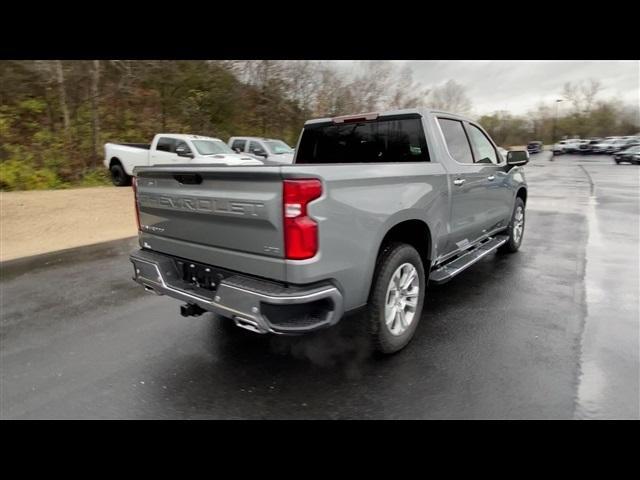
x=555, y=120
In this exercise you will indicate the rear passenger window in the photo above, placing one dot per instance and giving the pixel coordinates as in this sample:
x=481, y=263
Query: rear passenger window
x=255, y=147
x=384, y=140
x=238, y=145
x=484, y=149
x=456, y=139
x=166, y=144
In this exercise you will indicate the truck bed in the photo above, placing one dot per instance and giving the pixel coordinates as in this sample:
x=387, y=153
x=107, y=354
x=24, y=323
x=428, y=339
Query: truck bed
x=145, y=146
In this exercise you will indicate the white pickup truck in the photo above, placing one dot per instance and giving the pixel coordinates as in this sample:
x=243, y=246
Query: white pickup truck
x=169, y=149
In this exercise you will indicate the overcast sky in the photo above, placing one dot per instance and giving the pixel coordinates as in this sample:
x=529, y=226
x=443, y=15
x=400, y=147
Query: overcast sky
x=518, y=86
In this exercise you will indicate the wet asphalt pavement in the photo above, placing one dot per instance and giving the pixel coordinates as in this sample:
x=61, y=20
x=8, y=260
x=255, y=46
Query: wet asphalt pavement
x=551, y=332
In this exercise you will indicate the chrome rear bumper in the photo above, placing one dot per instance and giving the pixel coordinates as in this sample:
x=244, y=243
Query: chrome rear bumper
x=255, y=304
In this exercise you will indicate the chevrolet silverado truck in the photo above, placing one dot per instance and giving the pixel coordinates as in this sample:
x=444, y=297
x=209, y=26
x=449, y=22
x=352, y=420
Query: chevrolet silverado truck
x=374, y=207
x=168, y=149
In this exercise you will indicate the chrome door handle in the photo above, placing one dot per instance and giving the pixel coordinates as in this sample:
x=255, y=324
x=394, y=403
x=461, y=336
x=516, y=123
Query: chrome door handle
x=491, y=178
x=459, y=181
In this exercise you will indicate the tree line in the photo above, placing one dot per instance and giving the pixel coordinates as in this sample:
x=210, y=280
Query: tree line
x=577, y=112
x=55, y=116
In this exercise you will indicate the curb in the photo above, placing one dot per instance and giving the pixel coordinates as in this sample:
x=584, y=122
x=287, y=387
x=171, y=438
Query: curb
x=12, y=268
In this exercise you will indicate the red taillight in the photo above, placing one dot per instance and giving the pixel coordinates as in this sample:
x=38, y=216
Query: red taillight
x=300, y=231
x=134, y=184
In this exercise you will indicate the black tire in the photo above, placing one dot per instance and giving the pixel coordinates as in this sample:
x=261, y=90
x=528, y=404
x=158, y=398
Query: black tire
x=393, y=256
x=118, y=176
x=513, y=244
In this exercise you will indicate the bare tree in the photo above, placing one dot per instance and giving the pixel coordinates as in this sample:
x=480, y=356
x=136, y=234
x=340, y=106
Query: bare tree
x=302, y=80
x=589, y=91
x=571, y=93
x=370, y=89
x=406, y=93
x=95, y=116
x=451, y=97
x=330, y=94
x=582, y=95
x=63, y=96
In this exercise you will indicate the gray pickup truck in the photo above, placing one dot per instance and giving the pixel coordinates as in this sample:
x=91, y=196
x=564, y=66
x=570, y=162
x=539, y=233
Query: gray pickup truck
x=374, y=207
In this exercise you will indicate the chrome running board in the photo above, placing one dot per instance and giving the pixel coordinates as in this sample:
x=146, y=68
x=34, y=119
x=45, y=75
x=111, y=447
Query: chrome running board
x=446, y=272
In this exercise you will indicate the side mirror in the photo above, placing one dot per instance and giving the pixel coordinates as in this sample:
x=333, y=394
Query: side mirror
x=184, y=152
x=517, y=157
x=237, y=150
x=260, y=153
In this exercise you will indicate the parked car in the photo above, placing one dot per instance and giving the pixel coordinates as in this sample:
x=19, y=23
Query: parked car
x=171, y=149
x=374, y=207
x=269, y=149
x=623, y=143
x=587, y=147
x=573, y=145
x=534, y=147
x=630, y=155
x=570, y=145
x=559, y=147
x=603, y=146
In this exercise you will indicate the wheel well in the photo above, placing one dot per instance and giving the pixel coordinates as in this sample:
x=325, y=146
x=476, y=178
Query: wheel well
x=522, y=193
x=415, y=233
x=114, y=161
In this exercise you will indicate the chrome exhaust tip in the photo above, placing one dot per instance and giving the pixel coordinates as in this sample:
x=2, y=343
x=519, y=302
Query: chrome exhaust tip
x=248, y=325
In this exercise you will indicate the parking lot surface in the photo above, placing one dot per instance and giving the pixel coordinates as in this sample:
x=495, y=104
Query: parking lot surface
x=550, y=332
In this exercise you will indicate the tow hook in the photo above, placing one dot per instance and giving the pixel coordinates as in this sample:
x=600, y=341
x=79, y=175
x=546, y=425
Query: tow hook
x=191, y=310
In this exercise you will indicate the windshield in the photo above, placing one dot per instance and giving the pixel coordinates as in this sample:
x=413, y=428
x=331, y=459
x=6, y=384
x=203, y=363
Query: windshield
x=211, y=147
x=278, y=147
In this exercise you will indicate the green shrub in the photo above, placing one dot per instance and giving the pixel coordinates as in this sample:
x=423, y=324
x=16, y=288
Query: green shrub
x=95, y=178
x=16, y=175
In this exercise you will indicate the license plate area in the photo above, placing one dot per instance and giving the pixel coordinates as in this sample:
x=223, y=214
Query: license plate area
x=201, y=276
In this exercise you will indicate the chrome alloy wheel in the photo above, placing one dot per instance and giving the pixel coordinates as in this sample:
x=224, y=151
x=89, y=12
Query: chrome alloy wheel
x=402, y=299
x=518, y=224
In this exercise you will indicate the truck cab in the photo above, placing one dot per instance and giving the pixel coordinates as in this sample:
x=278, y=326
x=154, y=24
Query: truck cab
x=269, y=149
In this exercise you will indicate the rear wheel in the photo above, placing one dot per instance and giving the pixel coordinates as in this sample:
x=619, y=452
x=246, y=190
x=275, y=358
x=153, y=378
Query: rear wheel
x=118, y=176
x=515, y=229
x=397, y=297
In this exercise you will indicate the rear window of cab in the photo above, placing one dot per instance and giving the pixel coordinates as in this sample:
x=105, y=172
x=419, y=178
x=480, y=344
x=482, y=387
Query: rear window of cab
x=381, y=140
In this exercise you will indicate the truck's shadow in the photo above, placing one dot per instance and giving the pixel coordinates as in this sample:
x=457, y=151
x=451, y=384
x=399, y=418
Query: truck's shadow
x=246, y=375
x=346, y=343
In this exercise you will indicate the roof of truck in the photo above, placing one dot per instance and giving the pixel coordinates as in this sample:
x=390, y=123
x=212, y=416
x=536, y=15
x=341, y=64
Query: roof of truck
x=386, y=113
x=264, y=139
x=184, y=136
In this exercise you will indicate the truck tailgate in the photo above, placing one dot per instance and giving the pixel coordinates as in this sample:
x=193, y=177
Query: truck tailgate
x=214, y=210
